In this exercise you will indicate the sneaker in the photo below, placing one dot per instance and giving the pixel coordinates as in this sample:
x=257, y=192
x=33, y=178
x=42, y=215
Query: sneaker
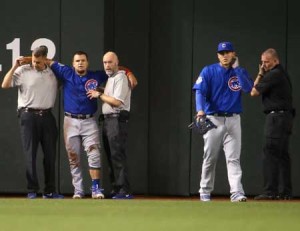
x=265, y=197
x=78, y=196
x=97, y=193
x=31, y=195
x=284, y=197
x=205, y=197
x=112, y=193
x=238, y=197
x=52, y=196
x=123, y=196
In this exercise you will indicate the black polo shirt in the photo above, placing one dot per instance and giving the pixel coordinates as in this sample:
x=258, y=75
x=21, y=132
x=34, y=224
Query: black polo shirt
x=276, y=90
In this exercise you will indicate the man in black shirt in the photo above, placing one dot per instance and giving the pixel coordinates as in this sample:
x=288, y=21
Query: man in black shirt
x=274, y=85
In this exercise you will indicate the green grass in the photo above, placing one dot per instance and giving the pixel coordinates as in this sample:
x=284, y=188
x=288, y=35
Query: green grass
x=144, y=215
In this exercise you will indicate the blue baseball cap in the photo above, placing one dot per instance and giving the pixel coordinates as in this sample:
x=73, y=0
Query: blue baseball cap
x=225, y=46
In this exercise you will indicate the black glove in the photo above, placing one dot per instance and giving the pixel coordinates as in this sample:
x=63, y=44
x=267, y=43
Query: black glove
x=202, y=125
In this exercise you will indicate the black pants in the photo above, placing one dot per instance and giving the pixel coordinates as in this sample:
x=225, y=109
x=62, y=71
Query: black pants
x=39, y=128
x=276, y=158
x=114, y=134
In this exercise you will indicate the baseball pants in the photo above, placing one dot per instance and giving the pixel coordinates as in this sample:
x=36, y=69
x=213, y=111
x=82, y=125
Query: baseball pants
x=78, y=133
x=226, y=135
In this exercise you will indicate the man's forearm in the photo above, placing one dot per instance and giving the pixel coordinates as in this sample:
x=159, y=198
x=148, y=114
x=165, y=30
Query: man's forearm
x=8, y=78
x=110, y=100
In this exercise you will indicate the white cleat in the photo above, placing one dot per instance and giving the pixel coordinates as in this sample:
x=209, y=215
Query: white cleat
x=205, y=197
x=97, y=194
x=77, y=196
x=238, y=198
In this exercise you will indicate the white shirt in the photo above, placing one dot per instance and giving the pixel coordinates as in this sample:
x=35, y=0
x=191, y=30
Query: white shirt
x=117, y=86
x=36, y=89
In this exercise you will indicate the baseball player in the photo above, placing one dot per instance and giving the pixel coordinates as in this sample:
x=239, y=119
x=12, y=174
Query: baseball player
x=80, y=126
x=218, y=96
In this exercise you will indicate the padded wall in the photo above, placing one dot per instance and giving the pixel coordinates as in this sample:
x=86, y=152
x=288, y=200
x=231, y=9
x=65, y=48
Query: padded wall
x=22, y=24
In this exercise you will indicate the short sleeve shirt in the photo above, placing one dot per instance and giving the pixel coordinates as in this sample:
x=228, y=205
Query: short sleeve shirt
x=36, y=89
x=117, y=86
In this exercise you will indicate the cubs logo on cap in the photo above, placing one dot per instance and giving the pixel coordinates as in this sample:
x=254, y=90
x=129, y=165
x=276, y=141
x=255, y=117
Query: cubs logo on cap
x=225, y=46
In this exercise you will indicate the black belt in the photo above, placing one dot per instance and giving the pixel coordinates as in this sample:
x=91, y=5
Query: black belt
x=111, y=115
x=78, y=116
x=277, y=111
x=35, y=110
x=224, y=114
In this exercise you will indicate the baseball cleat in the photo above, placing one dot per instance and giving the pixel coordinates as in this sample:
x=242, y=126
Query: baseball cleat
x=205, y=197
x=97, y=194
x=32, y=195
x=78, y=196
x=238, y=198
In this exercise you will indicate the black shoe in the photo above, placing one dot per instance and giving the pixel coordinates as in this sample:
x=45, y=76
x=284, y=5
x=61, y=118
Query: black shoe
x=284, y=197
x=122, y=196
x=112, y=194
x=52, y=196
x=265, y=197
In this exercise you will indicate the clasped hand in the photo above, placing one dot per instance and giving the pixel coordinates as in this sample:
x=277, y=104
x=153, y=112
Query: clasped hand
x=93, y=94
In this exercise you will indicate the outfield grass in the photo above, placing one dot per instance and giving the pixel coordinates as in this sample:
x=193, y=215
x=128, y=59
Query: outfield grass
x=144, y=215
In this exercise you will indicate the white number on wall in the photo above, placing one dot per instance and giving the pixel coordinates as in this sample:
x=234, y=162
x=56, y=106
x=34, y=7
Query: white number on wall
x=15, y=47
x=45, y=42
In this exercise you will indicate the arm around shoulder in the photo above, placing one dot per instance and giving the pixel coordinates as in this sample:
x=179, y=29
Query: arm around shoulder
x=131, y=77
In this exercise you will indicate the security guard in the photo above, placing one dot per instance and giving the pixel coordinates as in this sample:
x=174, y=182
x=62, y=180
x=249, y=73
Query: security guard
x=274, y=85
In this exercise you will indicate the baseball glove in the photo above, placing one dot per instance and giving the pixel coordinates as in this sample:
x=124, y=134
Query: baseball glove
x=201, y=125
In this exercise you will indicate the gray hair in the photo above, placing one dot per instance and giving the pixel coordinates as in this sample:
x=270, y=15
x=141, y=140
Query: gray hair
x=272, y=52
x=40, y=51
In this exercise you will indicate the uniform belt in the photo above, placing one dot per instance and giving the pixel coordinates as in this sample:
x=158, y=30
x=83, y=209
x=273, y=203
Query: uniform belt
x=35, y=110
x=276, y=111
x=224, y=114
x=111, y=115
x=78, y=116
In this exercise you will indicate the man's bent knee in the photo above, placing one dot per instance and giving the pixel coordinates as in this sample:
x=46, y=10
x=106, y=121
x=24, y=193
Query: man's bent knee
x=93, y=154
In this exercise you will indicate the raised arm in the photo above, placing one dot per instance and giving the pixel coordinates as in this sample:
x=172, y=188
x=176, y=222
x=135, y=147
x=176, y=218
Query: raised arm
x=132, y=79
x=259, y=77
x=7, y=81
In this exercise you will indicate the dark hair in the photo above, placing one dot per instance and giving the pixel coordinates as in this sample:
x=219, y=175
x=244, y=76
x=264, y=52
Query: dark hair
x=40, y=51
x=81, y=53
